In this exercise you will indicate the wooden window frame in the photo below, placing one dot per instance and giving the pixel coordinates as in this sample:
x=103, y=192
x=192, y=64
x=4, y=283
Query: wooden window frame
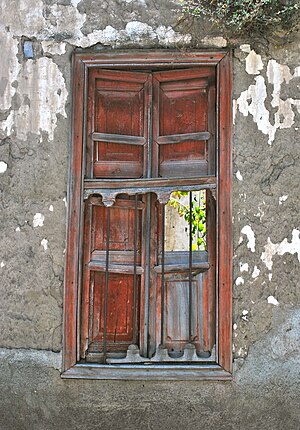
x=149, y=60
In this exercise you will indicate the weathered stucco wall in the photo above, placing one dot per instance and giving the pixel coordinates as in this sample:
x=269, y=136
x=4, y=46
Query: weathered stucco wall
x=37, y=39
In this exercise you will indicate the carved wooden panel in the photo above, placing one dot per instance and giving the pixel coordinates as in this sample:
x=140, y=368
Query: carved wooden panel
x=181, y=121
x=118, y=126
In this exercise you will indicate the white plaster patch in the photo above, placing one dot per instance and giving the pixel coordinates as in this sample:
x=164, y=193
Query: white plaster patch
x=282, y=199
x=18, y=229
x=270, y=277
x=235, y=326
x=35, y=79
x=272, y=301
x=282, y=248
x=2, y=264
x=9, y=68
x=239, y=281
x=51, y=209
x=255, y=272
x=253, y=101
x=244, y=315
x=38, y=220
x=254, y=63
x=65, y=202
x=216, y=42
x=137, y=32
x=247, y=230
x=168, y=37
x=244, y=267
x=234, y=110
x=44, y=244
x=239, y=176
x=54, y=48
x=245, y=48
x=3, y=167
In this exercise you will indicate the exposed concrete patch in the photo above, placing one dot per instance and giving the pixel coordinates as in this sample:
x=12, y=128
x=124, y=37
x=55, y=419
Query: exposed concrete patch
x=275, y=356
x=39, y=108
x=272, y=249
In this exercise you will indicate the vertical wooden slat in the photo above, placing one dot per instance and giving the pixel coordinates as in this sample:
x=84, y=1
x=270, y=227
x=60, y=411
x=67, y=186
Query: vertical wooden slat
x=85, y=293
x=225, y=217
x=73, y=218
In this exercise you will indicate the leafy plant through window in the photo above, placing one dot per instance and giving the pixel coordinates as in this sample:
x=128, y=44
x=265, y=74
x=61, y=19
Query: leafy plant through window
x=178, y=213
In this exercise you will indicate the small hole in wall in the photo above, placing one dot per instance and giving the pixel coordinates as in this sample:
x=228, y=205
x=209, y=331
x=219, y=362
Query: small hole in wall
x=28, y=49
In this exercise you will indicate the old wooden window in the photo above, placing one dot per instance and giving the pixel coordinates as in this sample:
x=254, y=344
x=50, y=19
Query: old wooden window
x=148, y=274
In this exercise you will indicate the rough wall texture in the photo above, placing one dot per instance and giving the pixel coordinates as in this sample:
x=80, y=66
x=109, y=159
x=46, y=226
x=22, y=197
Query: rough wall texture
x=37, y=39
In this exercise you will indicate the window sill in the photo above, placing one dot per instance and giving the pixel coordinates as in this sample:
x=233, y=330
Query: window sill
x=145, y=372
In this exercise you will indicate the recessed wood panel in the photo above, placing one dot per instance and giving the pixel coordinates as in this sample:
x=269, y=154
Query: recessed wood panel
x=183, y=107
x=117, y=108
x=120, y=311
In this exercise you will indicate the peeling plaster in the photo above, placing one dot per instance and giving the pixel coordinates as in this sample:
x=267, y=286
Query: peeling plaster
x=282, y=248
x=44, y=244
x=3, y=167
x=245, y=48
x=54, y=48
x=9, y=69
x=282, y=199
x=38, y=220
x=18, y=229
x=239, y=281
x=34, y=80
x=252, y=101
x=244, y=267
x=255, y=272
x=51, y=208
x=216, y=42
x=2, y=264
x=272, y=301
x=247, y=230
x=135, y=32
x=254, y=63
x=239, y=176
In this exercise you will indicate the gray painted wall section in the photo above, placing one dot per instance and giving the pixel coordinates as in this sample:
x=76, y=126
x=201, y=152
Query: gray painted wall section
x=35, y=134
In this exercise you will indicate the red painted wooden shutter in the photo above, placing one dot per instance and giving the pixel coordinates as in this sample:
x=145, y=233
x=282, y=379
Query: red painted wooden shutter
x=121, y=121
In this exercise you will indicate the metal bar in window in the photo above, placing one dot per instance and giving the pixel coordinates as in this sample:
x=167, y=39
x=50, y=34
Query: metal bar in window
x=106, y=286
x=162, y=274
x=134, y=269
x=190, y=263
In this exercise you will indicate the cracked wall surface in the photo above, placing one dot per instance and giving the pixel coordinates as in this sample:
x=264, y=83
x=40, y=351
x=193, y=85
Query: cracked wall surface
x=37, y=40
